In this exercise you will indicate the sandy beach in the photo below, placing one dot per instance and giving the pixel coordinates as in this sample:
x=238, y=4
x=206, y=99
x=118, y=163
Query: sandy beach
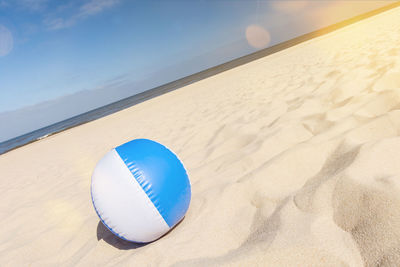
x=294, y=160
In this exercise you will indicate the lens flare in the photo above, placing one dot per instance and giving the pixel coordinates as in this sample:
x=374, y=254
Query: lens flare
x=257, y=36
x=6, y=41
x=63, y=214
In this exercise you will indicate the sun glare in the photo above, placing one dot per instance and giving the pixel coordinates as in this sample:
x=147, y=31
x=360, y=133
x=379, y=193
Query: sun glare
x=289, y=6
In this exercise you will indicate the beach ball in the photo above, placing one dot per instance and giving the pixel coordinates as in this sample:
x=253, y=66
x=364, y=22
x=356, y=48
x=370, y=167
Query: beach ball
x=140, y=190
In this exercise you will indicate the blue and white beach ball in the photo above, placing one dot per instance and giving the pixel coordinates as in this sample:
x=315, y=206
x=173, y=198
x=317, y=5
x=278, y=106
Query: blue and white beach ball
x=140, y=190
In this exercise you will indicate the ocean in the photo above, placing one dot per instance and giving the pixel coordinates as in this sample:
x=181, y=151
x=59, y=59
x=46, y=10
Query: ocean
x=133, y=100
x=92, y=115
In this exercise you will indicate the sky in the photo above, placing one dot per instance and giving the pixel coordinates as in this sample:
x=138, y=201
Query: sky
x=59, y=59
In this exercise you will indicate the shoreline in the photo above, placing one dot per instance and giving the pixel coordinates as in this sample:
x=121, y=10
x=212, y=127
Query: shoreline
x=177, y=84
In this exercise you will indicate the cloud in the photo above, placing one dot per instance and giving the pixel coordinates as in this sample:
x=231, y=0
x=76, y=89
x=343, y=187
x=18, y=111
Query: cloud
x=33, y=5
x=4, y=3
x=6, y=41
x=95, y=6
x=84, y=11
x=58, y=23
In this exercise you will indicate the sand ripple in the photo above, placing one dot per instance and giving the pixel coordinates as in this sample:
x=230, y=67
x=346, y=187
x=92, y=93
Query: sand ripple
x=294, y=160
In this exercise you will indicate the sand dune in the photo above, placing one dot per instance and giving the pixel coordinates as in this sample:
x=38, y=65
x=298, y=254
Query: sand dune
x=294, y=160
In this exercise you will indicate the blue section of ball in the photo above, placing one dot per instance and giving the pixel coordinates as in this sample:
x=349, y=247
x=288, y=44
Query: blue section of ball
x=161, y=175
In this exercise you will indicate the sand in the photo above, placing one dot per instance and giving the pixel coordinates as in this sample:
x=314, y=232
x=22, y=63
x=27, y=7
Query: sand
x=294, y=160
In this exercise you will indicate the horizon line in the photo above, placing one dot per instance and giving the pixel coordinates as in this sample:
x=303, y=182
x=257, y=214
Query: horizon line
x=201, y=75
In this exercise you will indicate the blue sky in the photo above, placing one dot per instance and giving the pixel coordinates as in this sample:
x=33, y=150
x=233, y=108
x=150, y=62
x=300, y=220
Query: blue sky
x=99, y=51
x=61, y=49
